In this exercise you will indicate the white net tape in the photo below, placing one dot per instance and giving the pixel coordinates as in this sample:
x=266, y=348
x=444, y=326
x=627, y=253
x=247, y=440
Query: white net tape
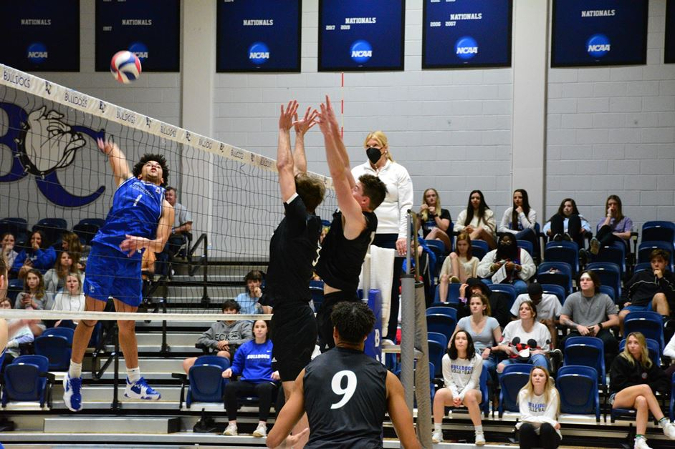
x=115, y=316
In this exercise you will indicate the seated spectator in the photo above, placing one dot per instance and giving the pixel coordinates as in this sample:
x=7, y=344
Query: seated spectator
x=249, y=299
x=591, y=313
x=650, y=289
x=224, y=337
x=483, y=329
x=633, y=381
x=71, y=242
x=458, y=267
x=34, y=295
x=253, y=362
x=539, y=404
x=435, y=221
x=525, y=340
x=55, y=278
x=548, y=308
x=70, y=299
x=182, y=225
x=461, y=378
x=39, y=256
x=8, y=252
x=567, y=224
x=615, y=227
x=508, y=264
x=499, y=304
x=22, y=335
x=520, y=219
x=478, y=220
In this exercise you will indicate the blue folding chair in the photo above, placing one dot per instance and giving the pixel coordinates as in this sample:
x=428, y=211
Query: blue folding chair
x=559, y=273
x=453, y=294
x=672, y=398
x=436, y=353
x=609, y=291
x=27, y=378
x=553, y=289
x=443, y=310
x=642, y=266
x=615, y=253
x=204, y=381
x=650, y=324
x=578, y=389
x=53, y=228
x=514, y=377
x=527, y=246
x=479, y=248
x=506, y=289
x=436, y=336
x=645, y=250
x=563, y=251
x=609, y=274
x=56, y=348
x=441, y=323
x=658, y=231
x=63, y=331
x=19, y=229
x=587, y=351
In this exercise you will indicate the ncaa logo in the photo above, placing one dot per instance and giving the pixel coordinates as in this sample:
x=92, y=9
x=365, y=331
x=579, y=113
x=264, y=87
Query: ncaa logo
x=466, y=48
x=140, y=50
x=598, y=45
x=37, y=53
x=361, y=51
x=259, y=53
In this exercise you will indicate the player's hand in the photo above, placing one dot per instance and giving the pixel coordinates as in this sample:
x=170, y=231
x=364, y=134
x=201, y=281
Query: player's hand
x=304, y=125
x=291, y=440
x=332, y=119
x=286, y=116
x=227, y=373
x=132, y=244
x=105, y=147
x=658, y=273
x=401, y=246
x=275, y=376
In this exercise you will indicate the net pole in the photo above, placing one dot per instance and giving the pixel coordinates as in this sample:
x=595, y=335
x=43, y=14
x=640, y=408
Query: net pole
x=408, y=327
x=422, y=387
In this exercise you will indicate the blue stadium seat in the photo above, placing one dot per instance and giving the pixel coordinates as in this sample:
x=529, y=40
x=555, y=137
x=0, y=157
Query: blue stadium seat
x=553, y=289
x=436, y=353
x=441, y=323
x=609, y=291
x=586, y=351
x=443, y=310
x=18, y=227
x=578, y=388
x=609, y=273
x=646, y=248
x=53, y=228
x=506, y=289
x=616, y=253
x=663, y=231
x=650, y=324
x=27, y=379
x=559, y=273
x=563, y=251
x=436, y=336
x=527, y=246
x=642, y=266
x=205, y=380
x=514, y=377
x=56, y=348
x=453, y=294
x=479, y=248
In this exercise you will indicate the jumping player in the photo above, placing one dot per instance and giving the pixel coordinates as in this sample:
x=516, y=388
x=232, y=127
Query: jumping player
x=345, y=392
x=294, y=249
x=140, y=218
x=353, y=227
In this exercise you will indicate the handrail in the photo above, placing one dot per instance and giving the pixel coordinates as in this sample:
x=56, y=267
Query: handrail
x=204, y=263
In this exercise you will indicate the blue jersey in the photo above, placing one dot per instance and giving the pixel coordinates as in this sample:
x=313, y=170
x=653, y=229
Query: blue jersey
x=136, y=210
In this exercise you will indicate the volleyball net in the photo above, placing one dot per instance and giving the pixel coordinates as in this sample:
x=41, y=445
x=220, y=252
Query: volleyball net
x=51, y=168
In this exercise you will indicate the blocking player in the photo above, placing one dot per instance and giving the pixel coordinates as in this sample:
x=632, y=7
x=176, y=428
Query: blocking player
x=353, y=227
x=345, y=392
x=140, y=219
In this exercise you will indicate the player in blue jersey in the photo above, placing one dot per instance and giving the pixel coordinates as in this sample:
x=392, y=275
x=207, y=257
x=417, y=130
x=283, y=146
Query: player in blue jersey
x=140, y=219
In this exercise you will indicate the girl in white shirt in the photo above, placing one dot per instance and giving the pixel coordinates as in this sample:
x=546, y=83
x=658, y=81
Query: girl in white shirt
x=458, y=267
x=461, y=376
x=520, y=219
x=478, y=220
x=70, y=299
x=539, y=403
x=525, y=338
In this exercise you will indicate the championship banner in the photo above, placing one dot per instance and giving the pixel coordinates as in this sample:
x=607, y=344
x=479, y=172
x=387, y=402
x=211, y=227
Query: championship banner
x=669, y=53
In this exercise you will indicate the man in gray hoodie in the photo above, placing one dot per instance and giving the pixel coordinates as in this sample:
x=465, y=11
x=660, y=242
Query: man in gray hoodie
x=224, y=337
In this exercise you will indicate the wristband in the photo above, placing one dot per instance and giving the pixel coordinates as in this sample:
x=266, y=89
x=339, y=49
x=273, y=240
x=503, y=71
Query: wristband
x=600, y=326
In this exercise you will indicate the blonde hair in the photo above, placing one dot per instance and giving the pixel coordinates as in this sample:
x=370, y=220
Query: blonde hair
x=424, y=215
x=382, y=140
x=77, y=276
x=528, y=389
x=644, y=356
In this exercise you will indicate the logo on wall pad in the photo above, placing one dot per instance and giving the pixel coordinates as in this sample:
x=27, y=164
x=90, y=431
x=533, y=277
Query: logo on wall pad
x=361, y=51
x=259, y=53
x=140, y=50
x=466, y=48
x=37, y=53
x=598, y=45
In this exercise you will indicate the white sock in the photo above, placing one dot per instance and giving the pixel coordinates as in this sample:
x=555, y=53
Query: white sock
x=75, y=370
x=438, y=427
x=134, y=374
x=479, y=429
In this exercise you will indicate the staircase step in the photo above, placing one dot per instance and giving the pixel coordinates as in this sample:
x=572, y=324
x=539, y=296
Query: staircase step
x=127, y=424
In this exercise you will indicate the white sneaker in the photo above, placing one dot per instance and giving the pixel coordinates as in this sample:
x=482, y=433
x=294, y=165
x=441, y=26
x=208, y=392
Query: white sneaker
x=231, y=430
x=141, y=390
x=641, y=443
x=480, y=439
x=437, y=436
x=669, y=430
x=260, y=431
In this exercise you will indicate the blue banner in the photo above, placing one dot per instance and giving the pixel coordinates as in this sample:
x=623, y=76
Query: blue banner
x=41, y=35
x=466, y=33
x=373, y=345
x=258, y=36
x=357, y=35
x=148, y=28
x=669, y=53
x=599, y=32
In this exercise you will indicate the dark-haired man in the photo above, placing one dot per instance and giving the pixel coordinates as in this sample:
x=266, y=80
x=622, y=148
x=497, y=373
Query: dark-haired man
x=346, y=244
x=140, y=219
x=345, y=392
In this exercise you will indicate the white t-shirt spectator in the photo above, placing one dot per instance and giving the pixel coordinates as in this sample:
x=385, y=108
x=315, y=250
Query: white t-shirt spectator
x=548, y=308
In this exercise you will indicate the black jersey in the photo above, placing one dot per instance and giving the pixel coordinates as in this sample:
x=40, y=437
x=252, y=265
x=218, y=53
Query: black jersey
x=294, y=249
x=345, y=399
x=341, y=259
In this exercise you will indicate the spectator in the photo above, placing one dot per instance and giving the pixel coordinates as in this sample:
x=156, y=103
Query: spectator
x=55, y=278
x=392, y=213
x=461, y=378
x=34, y=295
x=224, y=337
x=483, y=329
x=615, y=227
x=591, y=313
x=567, y=224
x=633, y=381
x=458, y=267
x=548, y=308
x=70, y=299
x=182, y=223
x=22, y=335
x=249, y=299
x=650, y=289
x=520, y=219
x=478, y=220
x=253, y=362
x=435, y=220
x=539, y=403
x=8, y=248
x=508, y=264
x=525, y=340
x=39, y=256
x=499, y=305
x=71, y=242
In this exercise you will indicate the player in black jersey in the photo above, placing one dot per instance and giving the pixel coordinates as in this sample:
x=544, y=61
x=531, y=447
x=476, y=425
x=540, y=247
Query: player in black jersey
x=353, y=227
x=346, y=393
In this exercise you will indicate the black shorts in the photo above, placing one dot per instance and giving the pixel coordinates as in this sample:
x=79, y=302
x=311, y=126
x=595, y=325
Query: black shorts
x=323, y=320
x=294, y=336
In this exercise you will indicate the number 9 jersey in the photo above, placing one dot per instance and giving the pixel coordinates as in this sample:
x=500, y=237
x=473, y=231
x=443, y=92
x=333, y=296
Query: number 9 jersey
x=345, y=400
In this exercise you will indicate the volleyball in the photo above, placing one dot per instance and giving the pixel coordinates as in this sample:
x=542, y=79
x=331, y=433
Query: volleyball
x=125, y=67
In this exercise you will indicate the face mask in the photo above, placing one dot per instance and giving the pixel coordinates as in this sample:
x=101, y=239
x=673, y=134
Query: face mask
x=373, y=154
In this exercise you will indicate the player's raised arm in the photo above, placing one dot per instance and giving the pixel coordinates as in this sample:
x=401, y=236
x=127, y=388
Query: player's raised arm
x=335, y=128
x=118, y=162
x=399, y=413
x=301, y=128
x=289, y=415
x=285, y=163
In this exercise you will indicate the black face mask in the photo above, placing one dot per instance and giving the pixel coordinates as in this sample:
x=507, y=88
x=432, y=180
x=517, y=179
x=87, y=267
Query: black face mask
x=373, y=154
